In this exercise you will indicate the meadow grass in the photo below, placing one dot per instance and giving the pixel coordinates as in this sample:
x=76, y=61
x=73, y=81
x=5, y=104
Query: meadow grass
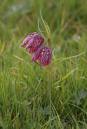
x=33, y=97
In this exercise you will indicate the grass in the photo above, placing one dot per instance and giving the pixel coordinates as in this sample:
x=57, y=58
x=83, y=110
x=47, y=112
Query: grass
x=32, y=97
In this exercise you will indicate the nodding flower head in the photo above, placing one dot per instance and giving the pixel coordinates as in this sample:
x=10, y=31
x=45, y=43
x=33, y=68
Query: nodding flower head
x=32, y=42
x=43, y=55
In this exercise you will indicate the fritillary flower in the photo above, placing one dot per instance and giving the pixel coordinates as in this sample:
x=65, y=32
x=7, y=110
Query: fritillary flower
x=32, y=42
x=43, y=55
x=34, y=45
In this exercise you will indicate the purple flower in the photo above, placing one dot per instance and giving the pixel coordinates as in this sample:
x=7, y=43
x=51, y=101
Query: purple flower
x=32, y=42
x=43, y=55
x=34, y=45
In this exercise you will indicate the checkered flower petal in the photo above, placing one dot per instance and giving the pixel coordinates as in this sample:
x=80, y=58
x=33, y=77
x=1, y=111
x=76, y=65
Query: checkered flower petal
x=32, y=42
x=43, y=55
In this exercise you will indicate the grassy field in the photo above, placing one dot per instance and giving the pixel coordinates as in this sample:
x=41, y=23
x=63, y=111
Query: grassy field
x=33, y=97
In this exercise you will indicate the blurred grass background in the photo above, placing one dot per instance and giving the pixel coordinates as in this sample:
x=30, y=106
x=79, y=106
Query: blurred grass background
x=32, y=97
